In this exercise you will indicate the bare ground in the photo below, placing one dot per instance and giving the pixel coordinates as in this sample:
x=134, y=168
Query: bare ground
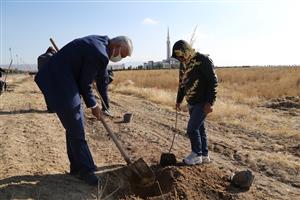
x=33, y=160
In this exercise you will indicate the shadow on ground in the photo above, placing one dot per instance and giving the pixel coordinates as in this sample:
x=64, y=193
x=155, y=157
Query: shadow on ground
x=23, y=111
x=48, y=186
x=113, y=185
x=64, y=186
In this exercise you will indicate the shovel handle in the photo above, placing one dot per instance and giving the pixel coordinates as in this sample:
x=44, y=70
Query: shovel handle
x=54, y=45
x=114, y=138
x=174, y=134
x=102, y=101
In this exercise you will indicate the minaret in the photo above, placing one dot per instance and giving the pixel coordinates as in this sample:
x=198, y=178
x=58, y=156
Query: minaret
x=168, y=47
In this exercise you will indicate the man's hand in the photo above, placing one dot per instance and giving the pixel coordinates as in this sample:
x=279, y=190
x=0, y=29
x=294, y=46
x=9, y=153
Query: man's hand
x=178, y=107
x=208, y=108
x=97, y=112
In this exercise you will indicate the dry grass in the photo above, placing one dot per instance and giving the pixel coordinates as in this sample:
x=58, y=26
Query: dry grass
x=244, y=83
x=241, y=93
x=156, y=95
x=158, y=79
x=268, y=82
x=159, y=86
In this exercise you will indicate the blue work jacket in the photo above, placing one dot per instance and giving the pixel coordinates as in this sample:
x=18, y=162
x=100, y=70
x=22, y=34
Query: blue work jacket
x=71, y=71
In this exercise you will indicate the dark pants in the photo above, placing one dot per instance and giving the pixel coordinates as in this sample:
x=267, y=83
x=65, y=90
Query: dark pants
x=77, y=148
x=196, y=130
x=48, y=107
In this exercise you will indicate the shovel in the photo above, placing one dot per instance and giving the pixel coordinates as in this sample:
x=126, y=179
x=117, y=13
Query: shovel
x=167, y=159
x=139, y=173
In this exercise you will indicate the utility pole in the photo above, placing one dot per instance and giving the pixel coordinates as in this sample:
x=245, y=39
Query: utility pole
x=10, y=54
x=17, y=60
x=193, y=38
x=168, y=47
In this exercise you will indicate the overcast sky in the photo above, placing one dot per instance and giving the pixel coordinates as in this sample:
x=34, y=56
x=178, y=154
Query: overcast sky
x=258, y=32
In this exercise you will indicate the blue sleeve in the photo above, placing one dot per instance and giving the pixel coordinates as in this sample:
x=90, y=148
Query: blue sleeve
x=87, y=75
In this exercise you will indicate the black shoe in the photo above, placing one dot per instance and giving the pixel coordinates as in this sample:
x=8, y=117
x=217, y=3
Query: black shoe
x=90, y=178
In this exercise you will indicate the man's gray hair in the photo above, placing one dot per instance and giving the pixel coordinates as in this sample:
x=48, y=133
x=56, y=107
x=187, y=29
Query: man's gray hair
x=124, y=41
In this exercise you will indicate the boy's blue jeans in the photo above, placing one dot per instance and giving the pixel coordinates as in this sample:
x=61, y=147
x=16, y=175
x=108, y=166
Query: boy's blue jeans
x=196, y=130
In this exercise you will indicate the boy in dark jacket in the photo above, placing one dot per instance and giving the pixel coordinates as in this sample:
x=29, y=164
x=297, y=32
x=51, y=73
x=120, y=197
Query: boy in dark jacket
x=197, y=83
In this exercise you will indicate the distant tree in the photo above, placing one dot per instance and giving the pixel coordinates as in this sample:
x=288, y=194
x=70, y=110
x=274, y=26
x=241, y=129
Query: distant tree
x=140, y=67
x=158, y=66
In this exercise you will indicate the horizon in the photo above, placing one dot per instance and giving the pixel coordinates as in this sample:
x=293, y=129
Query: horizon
x=233, y=33
x=33, y=67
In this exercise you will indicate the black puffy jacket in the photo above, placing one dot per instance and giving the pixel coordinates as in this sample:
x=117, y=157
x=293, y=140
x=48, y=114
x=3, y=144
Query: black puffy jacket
x=197, y=81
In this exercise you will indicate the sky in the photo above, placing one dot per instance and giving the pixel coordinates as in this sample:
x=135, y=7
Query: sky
x=240, y=32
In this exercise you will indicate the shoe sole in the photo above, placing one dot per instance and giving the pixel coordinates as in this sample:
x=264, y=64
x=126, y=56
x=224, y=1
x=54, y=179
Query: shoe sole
x=192, y=164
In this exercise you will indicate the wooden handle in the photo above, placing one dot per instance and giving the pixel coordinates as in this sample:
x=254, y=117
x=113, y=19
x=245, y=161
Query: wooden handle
x=114, y=138
x=174, y=134
x=102, y=101
x=111, y=134
x=54, y=45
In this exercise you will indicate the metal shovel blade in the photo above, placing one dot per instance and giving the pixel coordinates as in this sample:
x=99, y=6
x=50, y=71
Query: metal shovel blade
x=140, y=174
x=167, y=159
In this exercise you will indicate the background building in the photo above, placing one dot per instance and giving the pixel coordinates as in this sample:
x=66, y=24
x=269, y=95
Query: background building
x=164, y=64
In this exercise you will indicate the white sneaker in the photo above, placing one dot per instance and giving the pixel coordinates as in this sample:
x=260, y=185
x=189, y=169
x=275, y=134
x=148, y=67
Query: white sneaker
x=192, y=159
x=206, y=159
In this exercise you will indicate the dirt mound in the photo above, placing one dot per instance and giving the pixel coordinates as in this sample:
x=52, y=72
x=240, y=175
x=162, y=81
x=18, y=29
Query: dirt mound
x=206, y=181
x=284, y=103
x=175, y=182
x=294, y=149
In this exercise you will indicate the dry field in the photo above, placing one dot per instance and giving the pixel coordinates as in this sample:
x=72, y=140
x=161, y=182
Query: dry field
x=242, y=95
x=255, y=125
x=262, y=103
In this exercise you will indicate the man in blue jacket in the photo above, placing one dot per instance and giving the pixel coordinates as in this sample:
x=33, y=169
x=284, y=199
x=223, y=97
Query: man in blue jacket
x=67, y=76
x=197, y=83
